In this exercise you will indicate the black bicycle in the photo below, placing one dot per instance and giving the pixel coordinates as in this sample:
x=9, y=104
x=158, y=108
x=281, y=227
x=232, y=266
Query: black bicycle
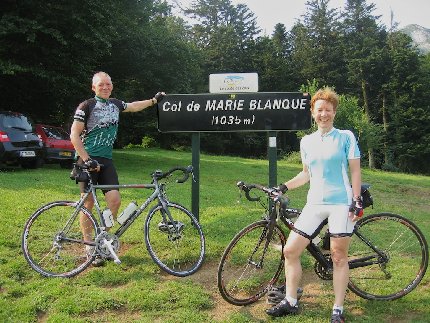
x=388, y=254
x=54, y=246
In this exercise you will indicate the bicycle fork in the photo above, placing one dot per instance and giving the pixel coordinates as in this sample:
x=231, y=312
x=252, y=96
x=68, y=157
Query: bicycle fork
x=265, y=236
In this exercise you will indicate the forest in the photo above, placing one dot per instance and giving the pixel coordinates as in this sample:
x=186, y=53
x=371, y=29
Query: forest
x=49, y=51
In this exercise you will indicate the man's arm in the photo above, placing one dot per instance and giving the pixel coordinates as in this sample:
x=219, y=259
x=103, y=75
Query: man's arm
x=140, y=105
x=137, y=106
x=75, y=137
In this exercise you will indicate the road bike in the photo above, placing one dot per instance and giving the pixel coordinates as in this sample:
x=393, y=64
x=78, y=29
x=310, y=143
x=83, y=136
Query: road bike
x=54, y=246
x=388, y=254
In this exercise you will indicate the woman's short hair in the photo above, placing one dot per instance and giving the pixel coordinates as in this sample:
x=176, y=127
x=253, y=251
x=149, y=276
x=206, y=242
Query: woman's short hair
x=327, y=94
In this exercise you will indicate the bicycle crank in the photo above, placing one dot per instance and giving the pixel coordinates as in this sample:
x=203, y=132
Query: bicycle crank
x=323, y=272
x=107, y=245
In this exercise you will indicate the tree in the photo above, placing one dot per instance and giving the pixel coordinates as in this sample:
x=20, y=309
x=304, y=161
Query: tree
x=225, y=33
x=409, y=109
x=364, y=44
x=317, y=45
x=46, y=51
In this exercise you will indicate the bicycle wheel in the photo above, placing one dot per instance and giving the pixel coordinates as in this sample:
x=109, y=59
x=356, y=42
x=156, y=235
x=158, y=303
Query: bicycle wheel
x=179, y=247
x=52, y=240
x=247, y=269
x=399, y=262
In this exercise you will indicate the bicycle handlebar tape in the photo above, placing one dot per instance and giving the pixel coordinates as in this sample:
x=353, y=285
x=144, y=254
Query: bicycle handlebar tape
x=249, y=197
x=186, y=172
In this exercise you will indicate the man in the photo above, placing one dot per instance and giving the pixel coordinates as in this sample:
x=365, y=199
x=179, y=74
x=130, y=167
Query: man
x=93, y=134
x=327, y=154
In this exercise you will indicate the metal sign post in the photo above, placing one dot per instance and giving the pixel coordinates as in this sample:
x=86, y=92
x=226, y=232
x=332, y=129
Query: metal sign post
x=195, y=185
x=273, y=157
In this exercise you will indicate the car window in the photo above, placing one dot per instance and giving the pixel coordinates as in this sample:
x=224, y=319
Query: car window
x=16, y=121
x=56, y=133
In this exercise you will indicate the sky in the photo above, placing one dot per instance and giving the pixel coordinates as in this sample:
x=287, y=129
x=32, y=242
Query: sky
x=271, y=12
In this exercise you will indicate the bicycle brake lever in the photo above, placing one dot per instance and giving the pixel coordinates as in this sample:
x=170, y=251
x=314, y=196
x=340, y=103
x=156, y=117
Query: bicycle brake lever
x=240, y=196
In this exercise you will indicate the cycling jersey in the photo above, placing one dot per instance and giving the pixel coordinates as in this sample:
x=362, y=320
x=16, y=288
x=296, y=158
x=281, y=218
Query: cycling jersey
x=101, y=124
x=326, y=157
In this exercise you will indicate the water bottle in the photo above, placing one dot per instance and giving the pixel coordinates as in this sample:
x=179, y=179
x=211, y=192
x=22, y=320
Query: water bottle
x=316, y=240
x=128, y=211
x=108, y=218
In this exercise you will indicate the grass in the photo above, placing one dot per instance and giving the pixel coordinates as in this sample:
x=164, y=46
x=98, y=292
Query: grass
x=138, y=291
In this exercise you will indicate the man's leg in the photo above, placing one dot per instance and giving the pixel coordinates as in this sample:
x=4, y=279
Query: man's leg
x=113, y=201
x=85, y=223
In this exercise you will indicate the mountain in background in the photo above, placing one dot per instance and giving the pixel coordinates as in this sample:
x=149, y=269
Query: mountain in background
x=420, y=37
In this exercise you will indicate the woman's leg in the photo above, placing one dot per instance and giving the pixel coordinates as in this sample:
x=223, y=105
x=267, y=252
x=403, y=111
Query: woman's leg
x=293, y=248
x=339, y=255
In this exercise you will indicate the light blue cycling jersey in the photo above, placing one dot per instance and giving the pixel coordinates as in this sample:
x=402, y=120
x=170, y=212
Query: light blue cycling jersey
x=326, y=157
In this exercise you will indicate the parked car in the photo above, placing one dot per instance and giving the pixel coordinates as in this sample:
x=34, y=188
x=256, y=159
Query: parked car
x=19, y=145
x=57, y=145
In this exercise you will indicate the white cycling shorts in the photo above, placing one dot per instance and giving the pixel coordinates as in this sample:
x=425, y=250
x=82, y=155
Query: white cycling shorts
x=312, y=216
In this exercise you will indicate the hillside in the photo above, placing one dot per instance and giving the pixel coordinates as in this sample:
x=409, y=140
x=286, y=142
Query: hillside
x=420, y=36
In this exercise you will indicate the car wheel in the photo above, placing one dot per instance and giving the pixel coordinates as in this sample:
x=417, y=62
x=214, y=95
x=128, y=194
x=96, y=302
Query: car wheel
x=32, y=164
x=66, y=164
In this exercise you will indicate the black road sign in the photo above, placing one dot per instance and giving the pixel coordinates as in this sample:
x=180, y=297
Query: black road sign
x=262, y=111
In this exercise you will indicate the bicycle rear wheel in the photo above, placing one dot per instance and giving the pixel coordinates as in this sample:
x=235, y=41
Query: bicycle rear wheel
x=179, y=247
x=247, y=269
x=52, y=241
x=396, y=254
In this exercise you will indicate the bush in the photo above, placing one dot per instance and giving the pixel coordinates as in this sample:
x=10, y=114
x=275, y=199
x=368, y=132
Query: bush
x=293, y=158
x=147, y=142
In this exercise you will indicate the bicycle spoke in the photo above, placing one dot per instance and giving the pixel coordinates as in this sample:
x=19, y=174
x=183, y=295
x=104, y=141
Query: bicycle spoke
x=247, y=268
x=53, y=243
x=178, y=247
x=399, y=267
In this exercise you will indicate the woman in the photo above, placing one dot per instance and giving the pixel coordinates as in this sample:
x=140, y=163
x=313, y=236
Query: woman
x=326, y=154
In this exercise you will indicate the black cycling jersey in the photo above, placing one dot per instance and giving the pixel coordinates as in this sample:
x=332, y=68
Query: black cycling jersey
x=101, y=119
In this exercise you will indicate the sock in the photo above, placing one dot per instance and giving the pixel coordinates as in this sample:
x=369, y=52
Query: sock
x=292, y=301
x=337, y=309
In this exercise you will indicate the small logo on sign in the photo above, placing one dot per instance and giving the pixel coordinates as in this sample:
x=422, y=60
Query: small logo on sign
x=236, y=82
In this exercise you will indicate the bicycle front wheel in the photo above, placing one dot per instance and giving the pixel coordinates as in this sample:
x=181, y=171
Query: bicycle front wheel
x=52, y=241
x=178, y=246
x=251, y=264
x=388, y=257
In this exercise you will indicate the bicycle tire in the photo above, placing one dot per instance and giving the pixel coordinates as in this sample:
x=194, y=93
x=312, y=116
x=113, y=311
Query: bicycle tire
x=241, y=281
x=405, y=248
x=177, y=253
x=52, y=240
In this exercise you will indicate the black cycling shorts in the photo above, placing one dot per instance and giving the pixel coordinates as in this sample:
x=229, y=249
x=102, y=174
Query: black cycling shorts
x=106, y=176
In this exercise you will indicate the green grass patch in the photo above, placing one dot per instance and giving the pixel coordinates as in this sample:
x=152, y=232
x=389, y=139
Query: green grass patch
x=138, y=290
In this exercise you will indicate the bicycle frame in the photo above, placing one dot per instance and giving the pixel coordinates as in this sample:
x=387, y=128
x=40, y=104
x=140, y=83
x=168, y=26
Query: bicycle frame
x=316, y=252
x=156, y=194
x=387, y=262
